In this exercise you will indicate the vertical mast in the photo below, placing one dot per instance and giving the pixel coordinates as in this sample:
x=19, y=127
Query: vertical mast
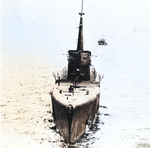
x=80, y=35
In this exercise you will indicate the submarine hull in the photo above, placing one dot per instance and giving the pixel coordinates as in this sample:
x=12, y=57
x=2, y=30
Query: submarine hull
x=72, y=123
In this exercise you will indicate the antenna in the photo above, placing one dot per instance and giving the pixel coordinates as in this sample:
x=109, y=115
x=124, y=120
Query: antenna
x=80, y=35
x=81, y=9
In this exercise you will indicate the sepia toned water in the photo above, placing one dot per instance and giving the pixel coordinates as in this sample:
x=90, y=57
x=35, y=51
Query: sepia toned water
x=36, y=36
x=123, y=119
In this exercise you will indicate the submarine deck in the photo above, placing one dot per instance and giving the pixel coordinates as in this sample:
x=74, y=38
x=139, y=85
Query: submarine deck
x=84, y=92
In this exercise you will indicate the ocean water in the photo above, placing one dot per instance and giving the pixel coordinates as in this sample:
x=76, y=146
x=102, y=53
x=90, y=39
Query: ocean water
x=124, y=115
x=39, y=31
x=123, y=119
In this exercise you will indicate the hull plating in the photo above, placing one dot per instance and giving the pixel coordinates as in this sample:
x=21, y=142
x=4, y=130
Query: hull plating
x=72, y=123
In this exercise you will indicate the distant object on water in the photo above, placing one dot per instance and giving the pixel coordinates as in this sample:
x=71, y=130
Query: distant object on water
x=102, y=42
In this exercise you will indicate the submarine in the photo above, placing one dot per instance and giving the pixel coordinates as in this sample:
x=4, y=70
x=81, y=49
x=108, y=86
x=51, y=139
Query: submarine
x=75, y=96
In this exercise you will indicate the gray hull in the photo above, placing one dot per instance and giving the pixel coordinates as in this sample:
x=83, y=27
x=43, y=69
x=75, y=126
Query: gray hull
x=72, y=123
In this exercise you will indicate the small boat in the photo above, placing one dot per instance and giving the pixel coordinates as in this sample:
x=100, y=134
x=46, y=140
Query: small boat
x=76, y=94
x=102, y=42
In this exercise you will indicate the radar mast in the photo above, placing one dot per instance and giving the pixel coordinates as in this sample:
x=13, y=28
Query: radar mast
x=80, y=35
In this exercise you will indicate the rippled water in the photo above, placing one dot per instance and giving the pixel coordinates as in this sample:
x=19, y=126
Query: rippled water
x=124, y=116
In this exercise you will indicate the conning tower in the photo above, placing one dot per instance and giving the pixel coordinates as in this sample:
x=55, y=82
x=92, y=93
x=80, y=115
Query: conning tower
x=79, y=61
